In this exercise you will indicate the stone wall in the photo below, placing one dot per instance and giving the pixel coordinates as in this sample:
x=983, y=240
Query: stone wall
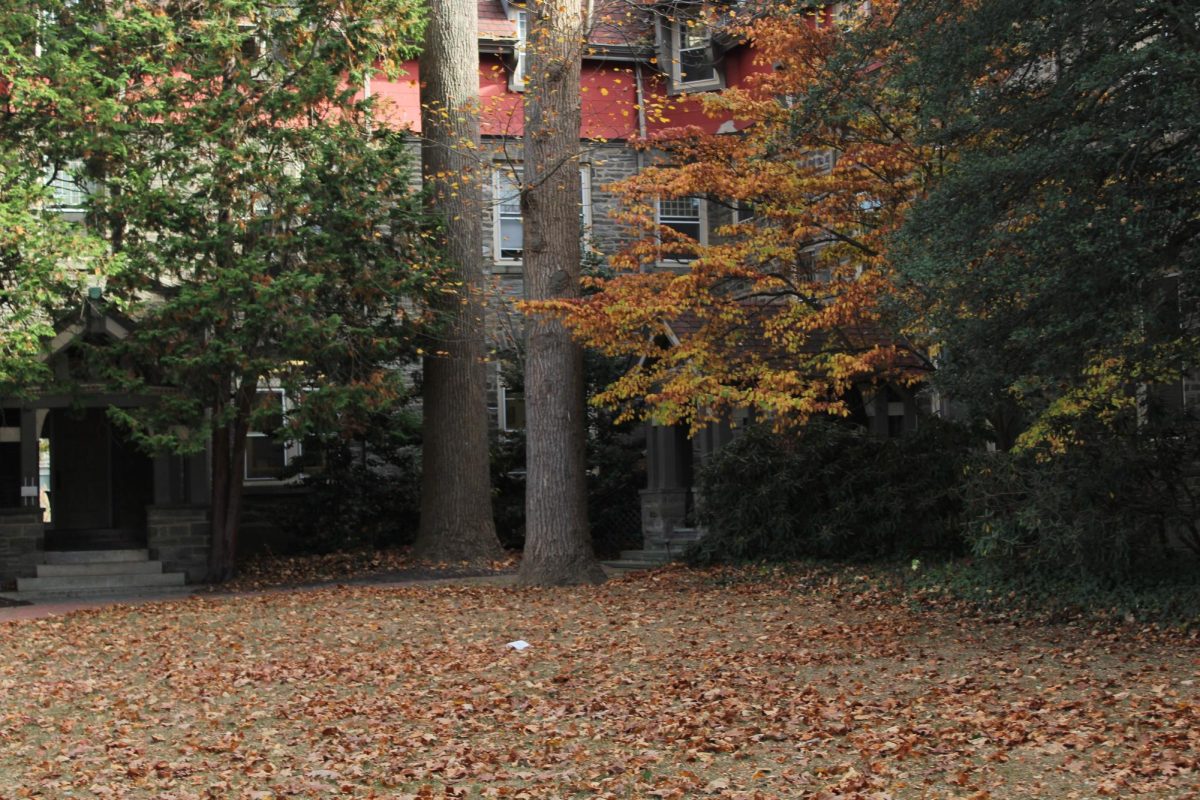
x=179, y=537
x=607, y=163
x=22, y=535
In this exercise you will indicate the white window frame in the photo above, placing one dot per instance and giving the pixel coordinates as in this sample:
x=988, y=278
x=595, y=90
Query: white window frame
x=677, y=29
x=516, y=81
x=511, y=172
x=63, y=186
x=743, y=212
x=701, y=220
x=292, y=450
x=502, y=398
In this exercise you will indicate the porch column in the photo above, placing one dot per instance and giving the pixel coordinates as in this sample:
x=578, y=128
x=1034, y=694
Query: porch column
x=29, y=457
x=199, y=479
x=668, y=479
x=22, y=532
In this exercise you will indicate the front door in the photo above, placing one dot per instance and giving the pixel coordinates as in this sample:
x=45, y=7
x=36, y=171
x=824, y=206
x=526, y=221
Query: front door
x=81, y=469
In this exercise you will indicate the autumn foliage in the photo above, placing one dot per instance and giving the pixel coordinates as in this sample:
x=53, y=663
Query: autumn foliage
x=786, y=310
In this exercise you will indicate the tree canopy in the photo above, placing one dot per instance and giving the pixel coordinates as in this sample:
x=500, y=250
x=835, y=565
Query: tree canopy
x=1053, y=248
x=268, y=230
x=999, y=197
x=782, y=310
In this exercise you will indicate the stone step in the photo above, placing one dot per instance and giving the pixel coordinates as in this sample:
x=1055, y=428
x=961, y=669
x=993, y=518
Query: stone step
x=630, y=566
x=661, y=556
x=113, y=583
x=99, y=594
x=687, y=535
x=100, y=568
x=95, y=556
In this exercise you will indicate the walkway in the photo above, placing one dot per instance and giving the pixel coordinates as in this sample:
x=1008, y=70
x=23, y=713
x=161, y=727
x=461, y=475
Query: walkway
x=59, y=608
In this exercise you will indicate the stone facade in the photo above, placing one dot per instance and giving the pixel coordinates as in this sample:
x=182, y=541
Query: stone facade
x=22, y=535
x=179, y=537
x=606, y=163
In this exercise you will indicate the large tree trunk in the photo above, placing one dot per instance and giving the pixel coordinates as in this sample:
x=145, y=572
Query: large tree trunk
x=558, y=545
x=456, y=501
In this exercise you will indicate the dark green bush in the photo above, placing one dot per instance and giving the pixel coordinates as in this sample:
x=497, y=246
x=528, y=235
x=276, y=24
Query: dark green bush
x=369, y=492
x=615, y=478
x=833, y=490
x=1106, y=510
x=508, y=487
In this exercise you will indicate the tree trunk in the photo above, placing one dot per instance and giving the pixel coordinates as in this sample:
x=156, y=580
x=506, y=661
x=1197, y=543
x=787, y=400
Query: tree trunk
x=456, y=501
x=228, y=455
x=558, y=544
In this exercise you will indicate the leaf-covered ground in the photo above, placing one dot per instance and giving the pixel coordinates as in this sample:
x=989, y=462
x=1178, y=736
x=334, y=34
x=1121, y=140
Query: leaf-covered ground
x=669, y=684
x=266, y=571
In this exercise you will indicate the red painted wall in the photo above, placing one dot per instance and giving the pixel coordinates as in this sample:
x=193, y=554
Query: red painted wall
x=608, y=90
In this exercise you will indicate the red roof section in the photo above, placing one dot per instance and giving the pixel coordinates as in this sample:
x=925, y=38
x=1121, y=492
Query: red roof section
x=494, y=23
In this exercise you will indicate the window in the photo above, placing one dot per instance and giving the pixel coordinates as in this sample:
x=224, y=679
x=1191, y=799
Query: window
x=744, y=211
x=509, y=228
x=267, y=458
x=517, y=82
x=696, y=62
x=67, y=194
x=255, y=49
x=691, y=54
x=686, y=216
x=850, y=15
x=510, y=409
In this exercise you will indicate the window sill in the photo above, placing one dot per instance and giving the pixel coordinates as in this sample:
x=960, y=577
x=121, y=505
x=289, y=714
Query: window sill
x=507, y=268
x=675, y=89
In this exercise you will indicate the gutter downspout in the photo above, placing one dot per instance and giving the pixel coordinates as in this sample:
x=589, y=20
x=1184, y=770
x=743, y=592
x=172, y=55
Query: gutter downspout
x=639, y=154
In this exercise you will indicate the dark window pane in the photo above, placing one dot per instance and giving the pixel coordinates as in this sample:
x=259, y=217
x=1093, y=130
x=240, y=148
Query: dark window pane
x=264, y=458
x=696, y=65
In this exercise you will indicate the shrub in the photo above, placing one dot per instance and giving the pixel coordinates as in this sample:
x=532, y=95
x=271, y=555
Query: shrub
x=833, y=490
x=369, y=492
x=1107, y=509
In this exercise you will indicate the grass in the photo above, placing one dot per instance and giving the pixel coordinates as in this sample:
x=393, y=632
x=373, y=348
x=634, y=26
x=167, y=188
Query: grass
x=746, y=684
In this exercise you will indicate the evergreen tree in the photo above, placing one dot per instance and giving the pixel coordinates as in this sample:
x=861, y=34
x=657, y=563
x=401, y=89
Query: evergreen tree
x=268, y=230
x=1053, y=249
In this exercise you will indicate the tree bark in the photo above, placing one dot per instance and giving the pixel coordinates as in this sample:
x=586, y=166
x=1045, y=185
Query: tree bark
x=558, y=545
x=456, y=502
x=228, y=454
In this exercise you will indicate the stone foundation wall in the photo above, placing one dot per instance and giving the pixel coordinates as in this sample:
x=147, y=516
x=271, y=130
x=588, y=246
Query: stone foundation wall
x=179, y=537
x=663, y=510
x=22, y=538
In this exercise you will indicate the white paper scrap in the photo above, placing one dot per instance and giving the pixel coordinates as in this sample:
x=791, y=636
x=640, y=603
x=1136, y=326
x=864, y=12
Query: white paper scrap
x=518, y=645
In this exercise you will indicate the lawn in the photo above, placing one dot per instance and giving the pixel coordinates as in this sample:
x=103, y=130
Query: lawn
x=669, y=684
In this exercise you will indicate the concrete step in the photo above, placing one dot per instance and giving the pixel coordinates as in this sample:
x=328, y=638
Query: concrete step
x=112, y=583
x=100, y=594
x=630, y=565
x=95, y=556
x=662, y=556
x=100, y=568
x=686, y=535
